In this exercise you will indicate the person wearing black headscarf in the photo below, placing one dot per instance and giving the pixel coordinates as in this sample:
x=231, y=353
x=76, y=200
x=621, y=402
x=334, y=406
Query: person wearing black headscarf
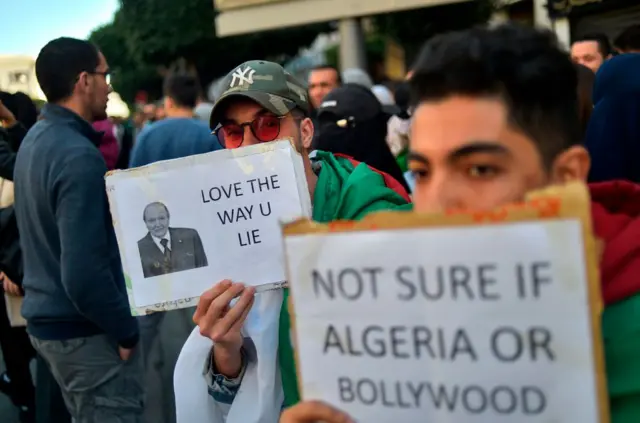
x=613, y=133
x=351, y=121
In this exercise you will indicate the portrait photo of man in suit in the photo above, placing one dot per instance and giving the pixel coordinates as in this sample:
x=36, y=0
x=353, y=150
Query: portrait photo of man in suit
x=165, y=249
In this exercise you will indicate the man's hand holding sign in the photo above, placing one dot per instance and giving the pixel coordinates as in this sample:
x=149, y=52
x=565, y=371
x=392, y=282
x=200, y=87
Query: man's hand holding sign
x=468, y=333
x=222, y=323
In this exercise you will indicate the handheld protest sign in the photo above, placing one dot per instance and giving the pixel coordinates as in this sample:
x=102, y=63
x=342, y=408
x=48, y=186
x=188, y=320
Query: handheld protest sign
x=481, y=317
x=183, y=225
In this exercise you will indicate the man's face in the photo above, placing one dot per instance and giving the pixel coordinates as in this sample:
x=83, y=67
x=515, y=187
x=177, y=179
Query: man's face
x=99, y=89
x=149, y=111
x=465, y=155
x=244, y=111
x=321, y=82
x=588, y=54
x=157, y=220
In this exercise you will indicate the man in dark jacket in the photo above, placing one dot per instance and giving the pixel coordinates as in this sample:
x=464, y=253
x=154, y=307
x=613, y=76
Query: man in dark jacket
x=75, y=302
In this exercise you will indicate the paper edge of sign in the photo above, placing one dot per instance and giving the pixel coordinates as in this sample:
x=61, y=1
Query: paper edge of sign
x=542, y=204
x=303, y=193
x=570, y=198
x=204, y=158
x=115, y=221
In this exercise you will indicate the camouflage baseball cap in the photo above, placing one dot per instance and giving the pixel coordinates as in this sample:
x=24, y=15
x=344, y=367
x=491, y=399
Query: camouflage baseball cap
x=266, y=83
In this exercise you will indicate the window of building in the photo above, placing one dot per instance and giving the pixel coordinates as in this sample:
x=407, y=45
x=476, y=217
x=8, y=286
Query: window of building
x=18, y=78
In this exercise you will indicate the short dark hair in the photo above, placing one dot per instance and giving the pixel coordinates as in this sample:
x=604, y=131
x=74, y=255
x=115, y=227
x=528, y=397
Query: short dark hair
x=523, y=66
x=604, y=45
x=629, y=39
x=328, y=67
x=298, y=113
x=183, y=89
x=60, y=62
x=154, y=204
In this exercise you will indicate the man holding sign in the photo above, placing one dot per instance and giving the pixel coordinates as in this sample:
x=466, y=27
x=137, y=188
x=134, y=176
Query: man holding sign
x=262, y=103
x=484, y=141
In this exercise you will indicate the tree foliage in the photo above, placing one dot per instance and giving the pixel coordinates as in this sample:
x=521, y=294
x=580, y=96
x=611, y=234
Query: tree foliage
x=148, y=37
x=129, y=74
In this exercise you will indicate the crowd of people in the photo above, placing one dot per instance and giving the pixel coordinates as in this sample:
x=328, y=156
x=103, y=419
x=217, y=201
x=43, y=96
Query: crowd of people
x=485, y=116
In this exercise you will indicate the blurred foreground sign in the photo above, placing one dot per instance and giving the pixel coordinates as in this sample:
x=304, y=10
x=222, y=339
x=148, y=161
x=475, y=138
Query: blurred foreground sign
x=468, y=318
x=183, y=225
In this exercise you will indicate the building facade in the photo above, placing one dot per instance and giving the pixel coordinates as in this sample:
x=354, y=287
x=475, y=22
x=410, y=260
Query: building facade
x=571, y=19
x=249, y=16
x=18, y=73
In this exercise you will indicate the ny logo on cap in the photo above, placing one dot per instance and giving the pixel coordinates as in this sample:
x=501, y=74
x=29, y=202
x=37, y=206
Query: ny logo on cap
x=240, y=76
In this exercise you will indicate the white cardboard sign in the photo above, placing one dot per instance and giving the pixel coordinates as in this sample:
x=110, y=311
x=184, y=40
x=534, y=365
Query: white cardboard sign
x=183, y=225
x=468, y=324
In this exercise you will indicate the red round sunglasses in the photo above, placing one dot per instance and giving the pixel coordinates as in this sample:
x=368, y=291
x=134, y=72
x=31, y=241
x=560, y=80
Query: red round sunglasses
x=265, y=128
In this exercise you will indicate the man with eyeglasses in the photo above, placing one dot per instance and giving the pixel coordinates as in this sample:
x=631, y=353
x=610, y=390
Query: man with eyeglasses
x=75, y=304
x=261, y=102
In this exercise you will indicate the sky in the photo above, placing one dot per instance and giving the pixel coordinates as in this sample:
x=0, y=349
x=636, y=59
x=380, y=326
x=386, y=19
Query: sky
x=27, y=25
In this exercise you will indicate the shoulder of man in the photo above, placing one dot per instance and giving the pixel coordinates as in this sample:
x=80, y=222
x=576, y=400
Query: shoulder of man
x=147, y=131
x=145, y=239
x=62, y=148
x=66, y=136
x=184, y=232
x=360, y=189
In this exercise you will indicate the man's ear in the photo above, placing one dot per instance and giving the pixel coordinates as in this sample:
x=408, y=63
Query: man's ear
x=83, y=82
x=306, y=133
x=572, y=164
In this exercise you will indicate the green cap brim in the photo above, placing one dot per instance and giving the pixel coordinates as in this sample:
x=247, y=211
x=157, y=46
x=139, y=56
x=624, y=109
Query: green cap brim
x=277, y=105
